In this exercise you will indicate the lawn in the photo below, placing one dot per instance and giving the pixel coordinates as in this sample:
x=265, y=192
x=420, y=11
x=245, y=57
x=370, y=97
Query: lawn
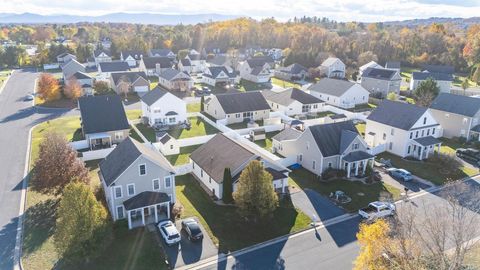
x=147, y=131
x=267, y=143
x=251, y=86
x=183, y=157
x=428, y=170
x=459, y=79
x=193, y=107
x=133, y=114
x=199, y=128
x=406, y=72
x=242, y=125
x=472, y=258
x=361, y=128
x=360, y=193
x=223, y=224
x=284, y=83
x=322, y=114
x=63, y=102
x=363, y=107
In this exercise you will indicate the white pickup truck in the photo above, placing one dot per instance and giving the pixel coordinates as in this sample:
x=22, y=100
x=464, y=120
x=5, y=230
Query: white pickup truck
x=376, y=210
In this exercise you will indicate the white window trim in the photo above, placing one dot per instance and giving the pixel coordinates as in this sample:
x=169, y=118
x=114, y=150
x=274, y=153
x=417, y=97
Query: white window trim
x=153, y=184
x=139, y=165
x=123, y=211
x=165, y=181
x=115, y=192
x=128, y=190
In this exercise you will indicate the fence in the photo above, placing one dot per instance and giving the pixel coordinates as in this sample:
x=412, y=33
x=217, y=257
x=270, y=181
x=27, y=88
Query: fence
x=96, y=154
x=77, y=145
x=183, y=169
x=378, y=149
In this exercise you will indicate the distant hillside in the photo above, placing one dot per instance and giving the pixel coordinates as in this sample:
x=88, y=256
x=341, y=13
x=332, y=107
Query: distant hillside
x=461, y=22
x=142, y=18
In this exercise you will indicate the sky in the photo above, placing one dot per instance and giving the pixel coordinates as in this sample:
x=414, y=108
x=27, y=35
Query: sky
x=343, y=10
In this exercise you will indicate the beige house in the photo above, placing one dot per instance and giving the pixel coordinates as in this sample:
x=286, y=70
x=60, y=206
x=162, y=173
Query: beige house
x=293, y=102
x=381, y=81
x=172, y=79
x=332, y=67
x=133, y=81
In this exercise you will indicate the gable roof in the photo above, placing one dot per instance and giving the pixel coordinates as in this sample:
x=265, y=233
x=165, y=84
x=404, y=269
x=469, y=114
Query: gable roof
x=62, y=55
x=146, y=198
x=96, y=53
x=154, y=95
x=293, y=69
x=217, y=70
x=185, y=62
x=463, y=105
x=393, y=64
x=124, y=154
x=371, y=64
x=242, y=102
x=218, y=60
x=170, y=73
x=379, y=73
x=160, y=52
x=397, y=114
x=329, y=86
x=72, y=61
x=434, y=76
x=151, y=62
x=218, y=153
x=102, y=113
x=256, y=62
x=290, y=95
x=332, y=139
x=330, y=61
x=136, y=54
x=287, y=134
x=114, y=66
x=80, y=75
x=129, y=76
x=195, y=57
x=439, y=69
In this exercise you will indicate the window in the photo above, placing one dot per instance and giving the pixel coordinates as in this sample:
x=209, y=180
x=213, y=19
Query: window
x=390, y=146
x=329, y=165
x=315, y=106
x=118, y=192
x=142, y=169
x=300, y=157
x=171, y=146
x=428, y=132
x=433, y=131
x=237, y=115
x=408, y=149
x=210, y=180
x=120, y=214
x=168, y=182
x=355, y=146
x=308, y=145
x=193, y=165
x=118, y=135
x=156, y=184
x=384, y=136
x=392, y=131
x=416, y=134
x=131, y=189
x=313, y=165
x=171, y=120
x=423, y=133
x=411, y=135
x=201, y=173
x=425, y=120
x=465, y=120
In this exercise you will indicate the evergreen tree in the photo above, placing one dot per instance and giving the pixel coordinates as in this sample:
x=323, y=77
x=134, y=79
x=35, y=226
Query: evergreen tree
x=227, y=186
x=426, y=92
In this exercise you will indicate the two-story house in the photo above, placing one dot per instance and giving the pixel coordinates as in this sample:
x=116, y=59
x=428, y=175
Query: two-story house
x=217, y=75
x=255, y=70
x=160, y=107
x=293, y=102
x=155, y=65
x=172, y=79
x=101, y=56
x=162, y=53
x=332, y=67
x=381, y=81
x=133, y=81
x=340, y=93
x=198, y=62
x=443, y=80
x=292, y=72
x=132, y=57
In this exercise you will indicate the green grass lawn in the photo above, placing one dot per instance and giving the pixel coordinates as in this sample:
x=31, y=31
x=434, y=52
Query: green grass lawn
x=183, y=157
x=323, y=114
x=251, y=86
x=199, y=128
x=406, y=72
x=147, y=131
x=242, y=125
x=133, y=114
x=223, y=224
x=193, y=107
x=428, y=170
x=458, y=80
x=284, y=83
x=360, y=193
x=267, y=143
x=363, y=107
x=361, y=128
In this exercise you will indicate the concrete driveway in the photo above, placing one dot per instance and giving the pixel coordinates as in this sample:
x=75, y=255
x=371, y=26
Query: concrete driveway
x=187, y=252
x=312, y=203
x=415, y=185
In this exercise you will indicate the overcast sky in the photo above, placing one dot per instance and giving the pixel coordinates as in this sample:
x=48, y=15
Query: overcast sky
x=343, y=10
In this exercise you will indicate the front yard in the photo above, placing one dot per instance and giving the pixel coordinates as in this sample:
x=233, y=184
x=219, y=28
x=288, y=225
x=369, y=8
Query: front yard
x=361, y=194
x=251, y=86
x=223, y=224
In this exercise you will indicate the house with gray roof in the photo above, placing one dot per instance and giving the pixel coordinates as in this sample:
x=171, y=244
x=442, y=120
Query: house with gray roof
x=403, y=129
x=340, y=93
x=237, y=107
x=293, y=101
x=198, y=62
x=458, y=115
x=175, y=80
x=162, y=108
x=332, y=67
x=103, y=120
x=105, y=69
x=131, y=81
x=138, y=182
x=153, y=66
x=162, y=53
x=65, y=57
x=185, y=65
x=210, y=160
x=101, y=56
x=446, y=69
x=292, y=72
x=381, y=81
x=328, y=146
x=255, y=69
x=218, y=75
x=394, y=65
x=132, y=57
x=71, y=67
x=443, y=80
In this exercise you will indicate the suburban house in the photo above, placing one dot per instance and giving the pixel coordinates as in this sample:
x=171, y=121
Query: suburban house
x=439, y=69
x=160, y=107
x=210, y=160
x=394, y=65
x=65, y=57
x=340, y=93
x=103, y=120
x=293, y=102
x=106, y=68
x=458, y=115
x=371, y=64
x=132, y=57
x=332, y=67
x=275, y=53
x=72, y=67
x=255, y=70
x=403, y=129
x=198, y=62
x=221, y=60
x=138, y=182
x=82, y=78
x=106, y=43
x=237, y=107
x=162, y=53
x=381, y=81
x=443, y=80
x=133, y=81
x=217, y=75
x=101, y=56
x=172, y=79
x=328, y=146
x=155, y=65
x=292, y=72
x=185, y=65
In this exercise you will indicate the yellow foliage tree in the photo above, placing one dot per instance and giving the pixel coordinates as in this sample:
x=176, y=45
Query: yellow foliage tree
x=48, y=88
x=372, y=239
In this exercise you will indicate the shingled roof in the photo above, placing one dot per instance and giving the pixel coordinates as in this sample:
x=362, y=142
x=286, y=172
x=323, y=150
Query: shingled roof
x=293, y=69
x=151, y=62
x=329, y=86
x=379, y=73
x=397, y=114
x=242, y=102
x=332, y=139
x=114, y=66
x=434, y=76
x=463, y=105
x=290, y=95
x=102, y=114
x=130, y=76
x=154, y=95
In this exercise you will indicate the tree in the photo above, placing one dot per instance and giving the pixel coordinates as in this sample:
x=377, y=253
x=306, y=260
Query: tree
x=372, y=239
x=227, y=186
x=366, y=57
x=48, y=88
x=82, y=230
x=476, y=75
x=392, y=96
x=101, y=88
x=202, y=106
x=123, y=86
x=57, y=165
x=426, y=92
x=465, y=85
x=73, y=89
x=255, y=197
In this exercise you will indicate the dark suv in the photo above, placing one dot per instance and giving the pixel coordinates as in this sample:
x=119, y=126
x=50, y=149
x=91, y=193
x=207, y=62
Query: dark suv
x=469, y=154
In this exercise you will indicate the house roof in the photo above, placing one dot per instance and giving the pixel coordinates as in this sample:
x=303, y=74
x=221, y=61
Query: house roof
x=290, y=95
x=463, y=105
x=439, y=69
x=124, y=154
x=434, y=76
x=218, y=153
x=62, y=55
x=287, y=134
x=160, y=52
x=102, y=113
x=145, y=199
x=372, y=64
x=129, y=76
x=217, y=70
x=154, y=95
x=356, y=156
x=329, y=86
x=242, y=102
x=332, y=139
x=80, y=75
x=393, y=64
x=218, y=60
x=276, y=175
x=379, y=73
x=151, y=62
x=136, y=54
x=96, y=53
x=186, y=62
x=397, y=114
x=170, y=73
x=165, y=138
x=196, y=57
x=114, y=66
x=256, y=62
x=427, y=141
x=293, y=69
x=330, y=61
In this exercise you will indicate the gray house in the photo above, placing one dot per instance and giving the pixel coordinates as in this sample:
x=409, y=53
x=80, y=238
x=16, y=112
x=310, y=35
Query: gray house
x=139, y=183
x=381, y=81
x=72, y=67
x=292, y=72
x=443, y=80
x=458, y=115
x=135, y=81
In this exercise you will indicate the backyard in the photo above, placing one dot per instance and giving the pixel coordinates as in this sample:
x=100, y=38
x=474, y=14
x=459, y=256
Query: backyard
x=183, y=157
x=267, y=143
x=193, y=107
x=242, y=125
x=284, y=83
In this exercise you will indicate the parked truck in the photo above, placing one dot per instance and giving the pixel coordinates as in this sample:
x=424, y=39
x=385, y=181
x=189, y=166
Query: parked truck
x=376, y=210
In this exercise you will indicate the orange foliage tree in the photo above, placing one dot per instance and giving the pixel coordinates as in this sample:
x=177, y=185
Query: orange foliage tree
x=48, y=88
x=73, y=89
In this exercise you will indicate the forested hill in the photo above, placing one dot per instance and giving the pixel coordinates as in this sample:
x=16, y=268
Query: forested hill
x=460, y=22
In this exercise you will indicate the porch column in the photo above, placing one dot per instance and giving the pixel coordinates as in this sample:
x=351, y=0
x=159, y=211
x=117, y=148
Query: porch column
x=168, y=210
x=373, y=162
x=110, y=139
x=365, y=166
x=439, y=147
x=129, y=220
x=428, y=150
x=143, y=217
x=283, y=186
x=356, y=168
x=156, y=213
x=348, y=170
x=421, y=153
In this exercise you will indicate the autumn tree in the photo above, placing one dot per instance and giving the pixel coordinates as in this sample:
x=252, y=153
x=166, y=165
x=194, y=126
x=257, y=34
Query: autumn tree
x=123, y=86
x=255, y=197
x=48, y=87
x=73, y=89
x=392, y=96
x=101, y=88
x=476, y=75
x=227, y=186
x=426, y=92
x=57, y=165
x=372, y=239
x=82, y=229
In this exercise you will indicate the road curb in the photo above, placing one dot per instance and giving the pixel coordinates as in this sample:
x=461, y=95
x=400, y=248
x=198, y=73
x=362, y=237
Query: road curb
x=6, y=81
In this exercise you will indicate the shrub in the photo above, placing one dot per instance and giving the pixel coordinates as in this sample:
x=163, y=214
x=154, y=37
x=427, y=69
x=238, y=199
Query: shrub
x=330, y=173
x=177, y=210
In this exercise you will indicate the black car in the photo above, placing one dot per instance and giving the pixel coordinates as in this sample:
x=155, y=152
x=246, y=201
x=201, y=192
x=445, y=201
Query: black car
x=192, y=229
x=469, y=154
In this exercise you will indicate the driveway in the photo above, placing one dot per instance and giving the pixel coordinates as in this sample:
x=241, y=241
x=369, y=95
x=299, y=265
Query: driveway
x=414, y=186
x=312, y=203
x=187, y=252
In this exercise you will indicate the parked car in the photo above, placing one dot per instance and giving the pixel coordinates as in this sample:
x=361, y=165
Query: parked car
x=469, y=154
x=206, y=90
x=400, y=174
x=169, y=232
x=199, y=92
x=192, y=229
x=376, y=210
x=29, y=98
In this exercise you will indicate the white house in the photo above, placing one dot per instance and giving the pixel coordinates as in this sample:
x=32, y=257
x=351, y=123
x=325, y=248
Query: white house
x=160, y=107
x=381, y=81
x=443, y=80
x=198, y=62
x=101, y=56
x=340, y=93
x=132, y=57
x=185, y=65
x=333, y=67
x=217, y=75
x=155, y=65
x=167, y=145
x=404, y=129
x=172, y=79
x=255, y=70
x=293, y=102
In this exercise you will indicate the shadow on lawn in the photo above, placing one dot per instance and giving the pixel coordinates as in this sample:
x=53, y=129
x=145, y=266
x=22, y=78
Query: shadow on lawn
x=39, y=224
x=7, y=244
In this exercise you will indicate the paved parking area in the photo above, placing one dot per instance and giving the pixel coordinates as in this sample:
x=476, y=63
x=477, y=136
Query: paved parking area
x=414, y=186
x=187, y=252
x=311, y=202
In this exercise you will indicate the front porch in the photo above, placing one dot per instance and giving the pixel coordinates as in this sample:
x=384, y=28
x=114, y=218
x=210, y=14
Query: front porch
x=421, y=148
x=356, y=163
x=146, y=208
